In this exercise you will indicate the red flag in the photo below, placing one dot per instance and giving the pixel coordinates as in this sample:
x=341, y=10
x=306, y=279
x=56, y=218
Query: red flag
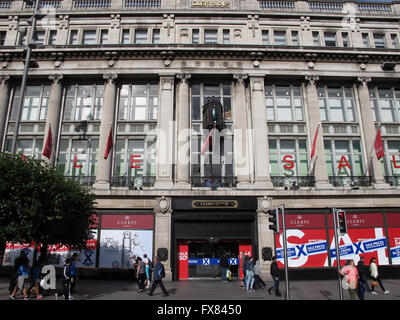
x=49, y=145
x=206, y=142
x=378, y=145
x=109, y=145
x=314, y=143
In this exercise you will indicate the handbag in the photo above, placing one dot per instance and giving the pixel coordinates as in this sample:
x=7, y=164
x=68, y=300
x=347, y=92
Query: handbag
x=374, y=283
x=345, y=283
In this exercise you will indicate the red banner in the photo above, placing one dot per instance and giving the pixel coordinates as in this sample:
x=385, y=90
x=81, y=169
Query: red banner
x=183, y=258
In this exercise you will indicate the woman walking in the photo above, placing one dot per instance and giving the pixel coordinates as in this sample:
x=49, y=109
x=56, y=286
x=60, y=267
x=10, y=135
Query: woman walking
x=373, y=269
x=350, y=271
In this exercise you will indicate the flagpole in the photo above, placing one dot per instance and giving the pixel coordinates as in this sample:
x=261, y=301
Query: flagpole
x=370, y=153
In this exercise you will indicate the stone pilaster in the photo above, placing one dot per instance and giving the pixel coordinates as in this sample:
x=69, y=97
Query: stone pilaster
x=4, y=98
x=53, y=114
x=165, y=137
x=265, y=235
x=162, y=232
x=183, y=132
x=318, y=163
x=262, y=179
x=241, y=144
x=368, y=126
x=107, y=121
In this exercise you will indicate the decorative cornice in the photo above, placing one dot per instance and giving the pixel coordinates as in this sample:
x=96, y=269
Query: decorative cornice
x=56, y=78
x=240, y=77
x=311, y=79
x=363, y=81
x=183, y=77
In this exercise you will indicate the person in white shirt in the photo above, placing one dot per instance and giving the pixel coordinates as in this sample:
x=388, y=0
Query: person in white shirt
x=373, y=269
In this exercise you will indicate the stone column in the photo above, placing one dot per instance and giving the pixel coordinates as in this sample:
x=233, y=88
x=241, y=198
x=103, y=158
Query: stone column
x=4, y=99
x=369, y=131
x=165, y=135
x=265, y=235
x=53, y=115
x=241, y=113
x=260, y=135
x=318, y=163
x=107, y=121
x=183, y=132
x=162, y=232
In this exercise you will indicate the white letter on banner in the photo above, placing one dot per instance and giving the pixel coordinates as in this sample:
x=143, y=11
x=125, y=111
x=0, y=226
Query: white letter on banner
x=294, y=262
x=49, y=280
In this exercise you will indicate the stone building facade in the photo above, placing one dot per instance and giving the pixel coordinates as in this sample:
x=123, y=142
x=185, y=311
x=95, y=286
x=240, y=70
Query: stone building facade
x=287, y=73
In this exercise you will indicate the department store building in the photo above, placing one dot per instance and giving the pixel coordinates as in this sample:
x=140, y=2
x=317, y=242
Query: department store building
x=287, y=73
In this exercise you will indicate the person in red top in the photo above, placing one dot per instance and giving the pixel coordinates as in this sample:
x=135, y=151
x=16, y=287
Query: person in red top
x=350, y=271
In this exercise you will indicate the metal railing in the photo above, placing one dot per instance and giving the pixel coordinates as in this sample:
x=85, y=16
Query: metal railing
x=83, y=180
x=326, y=6
x=142, y=3
x=350, y=181
x=277, y=5
x=293, y=182
x=213, y=182
x=132, y=183
x=394, y=181
x=91, y=4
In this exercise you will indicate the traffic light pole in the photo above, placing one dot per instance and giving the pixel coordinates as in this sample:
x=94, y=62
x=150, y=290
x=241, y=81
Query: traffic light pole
x=285, y=253
x=335, y=227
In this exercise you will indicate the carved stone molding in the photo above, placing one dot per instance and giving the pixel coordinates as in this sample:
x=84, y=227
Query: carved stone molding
x=56, y=78
x=183, y=77
x=168, y=22
x=115, y=21
x=163, y=205
x=64, y=22
x=12, y=22
x=240, y=77
x=305, y=23
x=264, y=204
x=252, y=23
x=4, y=78
x=110, y=77
x=363, y=81
x=311, y=79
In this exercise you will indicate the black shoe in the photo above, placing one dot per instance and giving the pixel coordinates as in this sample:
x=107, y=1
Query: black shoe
x=269, y=290
x=165, y=295
x=278, y=294
x=149, y=294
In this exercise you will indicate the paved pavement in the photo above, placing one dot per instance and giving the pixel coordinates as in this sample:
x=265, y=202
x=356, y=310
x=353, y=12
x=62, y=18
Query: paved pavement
x=211, y=290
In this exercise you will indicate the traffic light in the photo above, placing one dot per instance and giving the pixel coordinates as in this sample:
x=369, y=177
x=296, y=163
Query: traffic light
x=341, y=214
x=274, y=219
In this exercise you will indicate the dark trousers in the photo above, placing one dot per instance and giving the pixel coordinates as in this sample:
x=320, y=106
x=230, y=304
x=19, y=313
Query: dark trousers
x=258, y=282
x=154, y=285
x=364, y=280
x=380, y=284
x=275, y=285
x=141, y=280
x=67, y=289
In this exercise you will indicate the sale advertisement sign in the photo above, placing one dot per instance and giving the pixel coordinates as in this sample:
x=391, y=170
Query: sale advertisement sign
x=13, y=251
x=183, y=257
x=305, y=248
x=394, y=240
x=368, y=242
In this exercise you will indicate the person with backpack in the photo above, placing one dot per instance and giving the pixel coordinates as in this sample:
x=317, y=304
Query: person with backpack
x=17, y=262
x=36, y=276
x=158, y=274
x=275, y=277
x=250, y=275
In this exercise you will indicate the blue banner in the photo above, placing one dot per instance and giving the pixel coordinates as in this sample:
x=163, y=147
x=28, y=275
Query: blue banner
x=211, y=261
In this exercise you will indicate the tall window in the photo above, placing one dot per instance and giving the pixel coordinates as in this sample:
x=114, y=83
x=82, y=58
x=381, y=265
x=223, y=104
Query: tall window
x=345, y=39
x=125, y=37
x=366, y=41
x=30, y=147
x=221, y=150
x=35, y=103
x=336, y=104
x=316, y=38
x=379, y=40
x=156, y=36
x=78, y=157
x=392, y=158
x=3, y=35
x=288, y=157
x=330, y=39
x=138, y=102
x=83, y=102
x=344, y=157
x=385, y=103
x=284, y=103
x=195, y=36
x=265, y=37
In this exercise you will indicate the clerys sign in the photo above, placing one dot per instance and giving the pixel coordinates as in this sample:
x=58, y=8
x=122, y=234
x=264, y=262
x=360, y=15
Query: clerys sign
x=211, y=4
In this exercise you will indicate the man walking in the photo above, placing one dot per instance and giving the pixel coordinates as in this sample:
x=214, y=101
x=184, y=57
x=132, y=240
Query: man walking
x=158, y=274
x=223, y=263
x=275, y=276
x=363, y=273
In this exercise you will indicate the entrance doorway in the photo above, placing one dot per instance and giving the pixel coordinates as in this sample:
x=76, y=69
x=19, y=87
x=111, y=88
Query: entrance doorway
x=200, y=258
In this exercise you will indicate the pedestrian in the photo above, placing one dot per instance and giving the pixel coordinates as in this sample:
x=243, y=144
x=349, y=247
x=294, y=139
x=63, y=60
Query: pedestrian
x=351, y=273
x=250, y=275
x=36, y=276
x=224, y=265
x=67, y=279
x=244, y=266
x=363, y=274
x=17, y=262
x=258, y=281
x=373, y=268
x=158, y=274
x=132, y=268
x=141, y=274
x=22, y=279
x=74, y=276
x=147, y=263
x=275, y=277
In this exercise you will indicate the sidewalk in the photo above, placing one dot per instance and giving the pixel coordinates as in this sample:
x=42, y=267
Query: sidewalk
x=87, y=289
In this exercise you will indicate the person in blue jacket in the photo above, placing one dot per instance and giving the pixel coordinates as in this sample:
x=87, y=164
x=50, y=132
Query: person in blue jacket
x=158, y=274
x=22, y=279
x=74, y=276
